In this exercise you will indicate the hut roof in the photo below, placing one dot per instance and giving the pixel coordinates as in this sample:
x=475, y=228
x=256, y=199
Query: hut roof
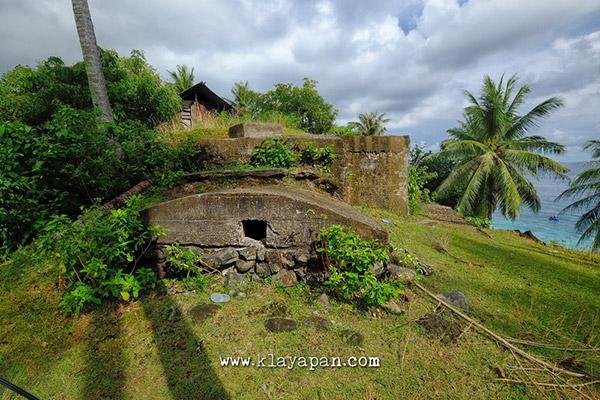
x=201, y=93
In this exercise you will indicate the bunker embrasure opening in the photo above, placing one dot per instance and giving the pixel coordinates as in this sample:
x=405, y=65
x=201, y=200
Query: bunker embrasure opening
x=255, y=229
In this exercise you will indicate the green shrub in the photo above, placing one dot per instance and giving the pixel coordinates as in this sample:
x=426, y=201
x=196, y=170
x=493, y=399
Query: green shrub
x=182, y=260
x=350, y=261
x=479, y=222
x=417, y=193
x=99, y=254
x=298, y=106
x=274, y=153
x=322, y=157
x=72, y=161
x=136, y=92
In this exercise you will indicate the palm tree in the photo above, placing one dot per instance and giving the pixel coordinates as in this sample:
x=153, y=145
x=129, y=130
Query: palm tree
x=493, y=152
x=587, y=185
x=183, y=78
x=370, y=124
x=91, y=57
x=244, y=98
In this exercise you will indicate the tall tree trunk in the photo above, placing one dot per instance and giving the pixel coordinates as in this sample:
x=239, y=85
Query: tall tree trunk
x=91, y=57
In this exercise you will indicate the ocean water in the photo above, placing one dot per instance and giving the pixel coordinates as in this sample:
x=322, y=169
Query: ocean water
x=561, y=231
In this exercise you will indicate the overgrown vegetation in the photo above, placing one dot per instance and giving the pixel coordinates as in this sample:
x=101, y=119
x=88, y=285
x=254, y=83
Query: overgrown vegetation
x=303, y=104
x=278, y=153
x=274, y=153
x=56, y=157
x=418, y=177
x=350, y=260
x=99, y=255
x=321, y=157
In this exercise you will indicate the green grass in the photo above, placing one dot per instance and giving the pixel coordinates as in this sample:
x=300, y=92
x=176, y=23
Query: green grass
x=514, y=286
x=216, y=126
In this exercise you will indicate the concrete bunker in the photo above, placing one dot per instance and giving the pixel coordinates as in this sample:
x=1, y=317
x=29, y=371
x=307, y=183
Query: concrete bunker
x=256, y=232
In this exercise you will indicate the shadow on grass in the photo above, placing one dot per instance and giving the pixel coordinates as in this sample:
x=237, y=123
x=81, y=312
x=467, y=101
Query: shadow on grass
x=105, y=370
x=185, y=363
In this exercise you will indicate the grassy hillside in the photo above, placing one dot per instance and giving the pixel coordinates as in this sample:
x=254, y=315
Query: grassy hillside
x=158, y=348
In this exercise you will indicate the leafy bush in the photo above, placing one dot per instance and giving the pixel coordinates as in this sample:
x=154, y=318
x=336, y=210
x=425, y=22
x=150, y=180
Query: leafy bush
x=417, y=193
x=322, y=157
x=136, y=92
x=182, y=260
x=344, y=130
x=274, y=153
x=99, y=254
x=479, y=222
x=350, y=261
x=301, y=104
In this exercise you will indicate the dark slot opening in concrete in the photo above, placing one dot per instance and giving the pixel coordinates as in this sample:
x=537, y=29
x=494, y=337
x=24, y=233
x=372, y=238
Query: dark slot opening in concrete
x=255, y=229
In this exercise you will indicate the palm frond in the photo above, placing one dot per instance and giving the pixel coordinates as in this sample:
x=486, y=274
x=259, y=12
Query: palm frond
x=537, y=143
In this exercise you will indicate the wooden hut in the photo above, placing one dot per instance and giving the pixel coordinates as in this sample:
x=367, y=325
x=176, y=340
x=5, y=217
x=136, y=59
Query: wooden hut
x=198, y=101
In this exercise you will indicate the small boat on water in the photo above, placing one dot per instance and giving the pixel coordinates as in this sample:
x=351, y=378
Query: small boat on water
x=553, y=218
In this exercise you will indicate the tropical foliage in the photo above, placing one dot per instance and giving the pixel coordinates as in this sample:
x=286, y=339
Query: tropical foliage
x=493, y=152
x=99, y=256
x=33, y=95
x=370, y=124
x=56, y=157
x=183, y=77
x=303, y=103
x=586, y=185
x=349, y=260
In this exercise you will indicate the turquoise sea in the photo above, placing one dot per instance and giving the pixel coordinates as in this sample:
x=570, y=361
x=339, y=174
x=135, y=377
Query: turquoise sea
x=561, y=231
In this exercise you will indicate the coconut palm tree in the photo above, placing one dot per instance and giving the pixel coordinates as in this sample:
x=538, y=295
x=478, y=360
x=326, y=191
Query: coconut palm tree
x=91, y=58
x=183, y=77
x=244, y=98
x=587, y=186
x=493, y=152
x=370, y=124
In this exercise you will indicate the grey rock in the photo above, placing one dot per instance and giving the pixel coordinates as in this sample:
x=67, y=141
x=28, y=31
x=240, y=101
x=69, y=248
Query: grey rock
x=302, y=259
x=425, y=269
x=401, y=273
x=352, y=337
x=318, y=323
x=202, y=312
x=260, y=253
x=378, y=269
x=287, y=262
x=219, y=297
x=280, y=325
x=392, y=307
x=285, y=278
x=256, y=278
x=248, y=253
x=442, y=325
x=455, y=298
x=234, y=278
x=323, y=300
x=275, y=267
x=262, y=270
x=223, y=257
x=244, y=266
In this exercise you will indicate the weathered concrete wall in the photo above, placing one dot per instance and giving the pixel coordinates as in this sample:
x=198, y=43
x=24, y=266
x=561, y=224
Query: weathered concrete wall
x=371, y=170
x=292, y=217
x=257, y=232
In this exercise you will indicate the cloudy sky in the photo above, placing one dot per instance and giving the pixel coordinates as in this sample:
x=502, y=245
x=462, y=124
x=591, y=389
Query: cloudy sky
x=411, y=59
